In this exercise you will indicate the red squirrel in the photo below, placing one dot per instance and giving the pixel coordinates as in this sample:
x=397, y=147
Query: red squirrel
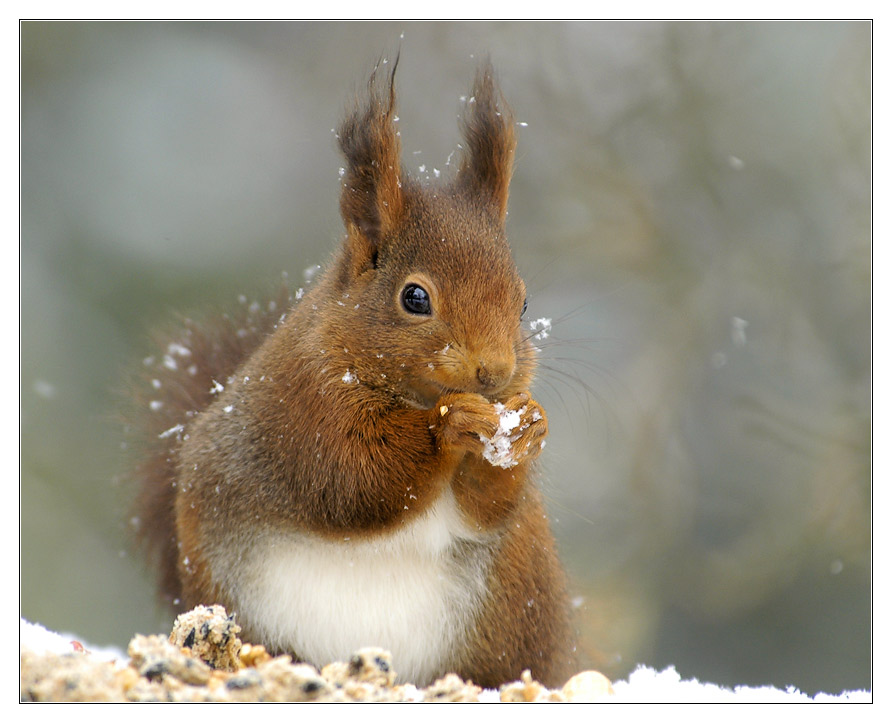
x=355, y=467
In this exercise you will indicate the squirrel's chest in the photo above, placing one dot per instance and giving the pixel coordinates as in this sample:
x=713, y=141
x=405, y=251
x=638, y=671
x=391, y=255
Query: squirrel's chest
x=414, y=592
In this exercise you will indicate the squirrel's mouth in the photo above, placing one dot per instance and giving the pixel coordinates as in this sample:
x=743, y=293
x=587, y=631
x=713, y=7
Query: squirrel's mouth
x=426, y=396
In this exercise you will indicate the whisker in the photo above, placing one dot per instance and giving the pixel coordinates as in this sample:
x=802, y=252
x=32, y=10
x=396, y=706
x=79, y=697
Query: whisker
x=554, y=502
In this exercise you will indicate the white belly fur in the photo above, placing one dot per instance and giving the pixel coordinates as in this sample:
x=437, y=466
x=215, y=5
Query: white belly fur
x=413, y=592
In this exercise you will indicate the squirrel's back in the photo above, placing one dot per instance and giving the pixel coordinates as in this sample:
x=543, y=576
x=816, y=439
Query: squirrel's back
x=197, y=359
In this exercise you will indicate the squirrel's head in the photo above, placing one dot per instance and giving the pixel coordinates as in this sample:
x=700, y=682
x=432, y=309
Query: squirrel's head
x=426, y=291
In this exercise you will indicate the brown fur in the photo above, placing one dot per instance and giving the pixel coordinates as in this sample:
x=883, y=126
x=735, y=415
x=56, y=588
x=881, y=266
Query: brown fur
x=216, y=348
x=290, y=446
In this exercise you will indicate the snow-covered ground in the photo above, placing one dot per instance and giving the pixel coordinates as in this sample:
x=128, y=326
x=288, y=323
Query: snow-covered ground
x=644, y=685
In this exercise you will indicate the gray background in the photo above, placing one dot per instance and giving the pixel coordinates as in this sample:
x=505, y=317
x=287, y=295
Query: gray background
x=691, y=206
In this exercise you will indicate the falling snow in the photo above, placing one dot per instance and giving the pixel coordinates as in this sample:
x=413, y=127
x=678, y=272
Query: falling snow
x=175, y=430
x=542, y=327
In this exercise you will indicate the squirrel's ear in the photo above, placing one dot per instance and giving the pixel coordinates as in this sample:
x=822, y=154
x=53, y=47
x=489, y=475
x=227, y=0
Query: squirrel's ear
x=371, y=197
x=488, y=130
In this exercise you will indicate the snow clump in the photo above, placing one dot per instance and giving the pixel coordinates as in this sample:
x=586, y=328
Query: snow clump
x=497, y=450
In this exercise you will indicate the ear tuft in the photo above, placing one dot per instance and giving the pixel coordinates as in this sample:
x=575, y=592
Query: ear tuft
x=371, y=198
x=488, y=130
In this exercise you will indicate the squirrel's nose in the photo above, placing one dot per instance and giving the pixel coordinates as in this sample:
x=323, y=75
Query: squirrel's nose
x=493, y=375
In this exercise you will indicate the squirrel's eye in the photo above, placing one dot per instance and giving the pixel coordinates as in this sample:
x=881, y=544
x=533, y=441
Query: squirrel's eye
x=524, y=309
x=415, y=299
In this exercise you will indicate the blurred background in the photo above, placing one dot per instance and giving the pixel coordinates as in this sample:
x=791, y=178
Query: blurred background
x=691, y=208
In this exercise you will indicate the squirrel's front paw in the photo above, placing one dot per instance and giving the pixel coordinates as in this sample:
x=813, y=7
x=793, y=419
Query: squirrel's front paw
x=504, y=434
x=463, y=420
x=521, y=434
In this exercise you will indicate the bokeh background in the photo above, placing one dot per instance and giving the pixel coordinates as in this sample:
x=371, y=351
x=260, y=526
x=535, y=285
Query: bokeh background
x=691, y=207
